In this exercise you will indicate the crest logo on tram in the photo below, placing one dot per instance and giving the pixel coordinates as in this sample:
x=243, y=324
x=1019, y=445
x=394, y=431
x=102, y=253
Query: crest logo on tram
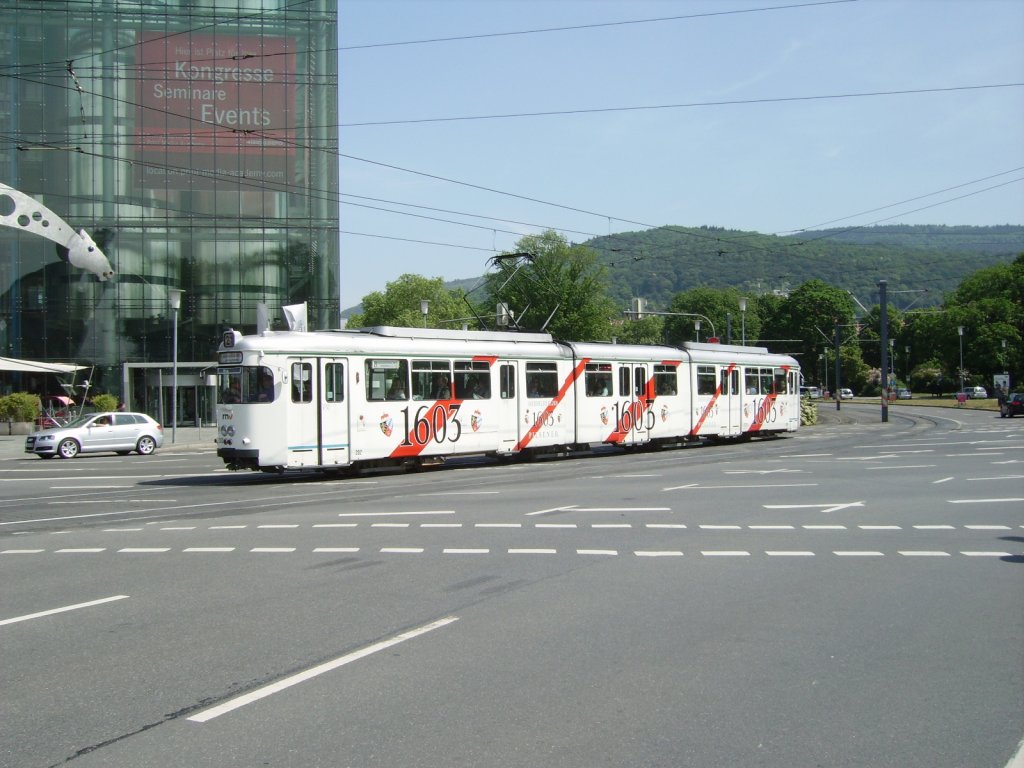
x=387, y=424
x=476, y=421
x=664, y=413
x=604, y=416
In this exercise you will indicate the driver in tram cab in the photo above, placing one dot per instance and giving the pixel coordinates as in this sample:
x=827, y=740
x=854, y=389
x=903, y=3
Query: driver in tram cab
x=266, y=392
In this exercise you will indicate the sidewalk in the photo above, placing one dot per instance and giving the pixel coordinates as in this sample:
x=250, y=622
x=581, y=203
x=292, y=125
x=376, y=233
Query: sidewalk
x=186, y=439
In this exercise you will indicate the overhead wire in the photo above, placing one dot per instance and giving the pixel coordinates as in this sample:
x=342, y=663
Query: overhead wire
x=680, y=230
x=688, y=105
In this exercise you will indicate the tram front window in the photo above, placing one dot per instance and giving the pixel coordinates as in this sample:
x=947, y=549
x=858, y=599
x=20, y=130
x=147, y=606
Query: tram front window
x=245, y=384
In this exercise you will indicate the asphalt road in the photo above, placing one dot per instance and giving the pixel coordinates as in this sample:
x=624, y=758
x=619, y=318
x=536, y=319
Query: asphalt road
x=849, y=596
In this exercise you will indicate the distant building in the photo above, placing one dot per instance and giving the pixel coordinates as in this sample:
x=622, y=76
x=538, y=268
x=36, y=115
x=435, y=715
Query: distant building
x=196, y=141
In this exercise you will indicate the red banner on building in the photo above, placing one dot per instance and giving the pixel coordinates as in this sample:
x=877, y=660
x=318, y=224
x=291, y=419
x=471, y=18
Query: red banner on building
x=215, y=107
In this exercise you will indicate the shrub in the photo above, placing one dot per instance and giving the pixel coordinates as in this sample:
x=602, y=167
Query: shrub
x=19, y=406
x=104, y=402
x=808, y=412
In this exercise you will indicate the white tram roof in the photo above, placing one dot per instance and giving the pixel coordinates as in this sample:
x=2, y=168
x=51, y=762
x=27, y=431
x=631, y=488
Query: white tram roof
x=736, y=353
x=391, y=340
x=388, y=340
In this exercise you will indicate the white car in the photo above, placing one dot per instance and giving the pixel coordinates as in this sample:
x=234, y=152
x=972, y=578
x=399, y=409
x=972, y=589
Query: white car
x=119, y=432
x=845, y=394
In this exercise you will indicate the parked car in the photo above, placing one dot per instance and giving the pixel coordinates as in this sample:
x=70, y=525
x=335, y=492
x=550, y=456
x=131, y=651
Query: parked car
x=120, y=433
x=904, y=394
x=972, y=393
x=1013, y=405
x=845, y=394
x=812, y=393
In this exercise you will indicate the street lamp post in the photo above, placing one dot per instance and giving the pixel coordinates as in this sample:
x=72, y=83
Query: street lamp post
x=743, y=320
x=1004, y=366
x=960, y=331
x=696, y=329
x=174, y=302
x=424, y=308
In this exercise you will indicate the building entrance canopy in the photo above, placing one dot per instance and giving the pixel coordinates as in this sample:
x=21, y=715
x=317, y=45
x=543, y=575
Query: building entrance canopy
x=30, y=366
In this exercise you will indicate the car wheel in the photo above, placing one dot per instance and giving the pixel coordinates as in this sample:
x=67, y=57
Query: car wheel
x=146, y=445
x=68, y=449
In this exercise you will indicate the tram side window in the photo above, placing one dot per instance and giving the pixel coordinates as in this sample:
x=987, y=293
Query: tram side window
x=431, y=380
x=508, y=382
x=597, y=379
x=472, y=380
x=666, y=380
x=387, y=379
x=780, y=382
x=767, y=380
x=725, y=382
x=334, y=382
x=624, y=381
x=750, y=381
x=302, y=383
x=541, y=379
x=707, y=382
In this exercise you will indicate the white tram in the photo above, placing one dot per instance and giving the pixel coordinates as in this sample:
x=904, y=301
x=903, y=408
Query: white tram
x=386, y=396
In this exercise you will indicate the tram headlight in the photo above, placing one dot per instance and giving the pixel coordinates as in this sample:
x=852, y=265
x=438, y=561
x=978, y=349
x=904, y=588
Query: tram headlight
x=227, y=430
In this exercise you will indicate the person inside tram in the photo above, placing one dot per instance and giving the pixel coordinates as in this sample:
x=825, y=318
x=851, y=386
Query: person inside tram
x=442, y=387
x=397, y=390
x=232, y=393
x=266, y=391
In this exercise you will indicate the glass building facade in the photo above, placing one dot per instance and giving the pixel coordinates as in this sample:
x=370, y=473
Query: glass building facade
x=196, y=142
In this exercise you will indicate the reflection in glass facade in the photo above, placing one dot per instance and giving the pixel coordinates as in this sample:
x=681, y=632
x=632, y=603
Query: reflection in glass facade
x=195, y=140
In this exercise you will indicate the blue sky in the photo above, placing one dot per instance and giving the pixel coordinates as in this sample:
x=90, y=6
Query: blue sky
x=771, y=161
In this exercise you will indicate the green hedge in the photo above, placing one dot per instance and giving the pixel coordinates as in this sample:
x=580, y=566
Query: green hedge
x=19, y=406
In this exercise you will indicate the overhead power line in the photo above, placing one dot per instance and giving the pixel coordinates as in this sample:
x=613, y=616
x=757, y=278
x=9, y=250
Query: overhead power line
x=597, y=25
x=685, y=105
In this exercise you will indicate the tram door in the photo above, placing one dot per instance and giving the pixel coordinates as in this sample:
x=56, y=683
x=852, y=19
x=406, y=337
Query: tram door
x=508, y=406
x=333, y=425
x=633, y=415
x=300, y=424
x=731, y=405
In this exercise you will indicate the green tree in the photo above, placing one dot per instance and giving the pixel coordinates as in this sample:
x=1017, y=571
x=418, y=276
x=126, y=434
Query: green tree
x=556, y=280
x=647, y=330
x=810, y=313
x=714, y=305
x=989, y=305
x=399, y=305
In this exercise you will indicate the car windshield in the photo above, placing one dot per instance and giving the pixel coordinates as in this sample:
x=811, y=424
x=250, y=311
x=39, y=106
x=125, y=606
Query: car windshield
x=81, y=421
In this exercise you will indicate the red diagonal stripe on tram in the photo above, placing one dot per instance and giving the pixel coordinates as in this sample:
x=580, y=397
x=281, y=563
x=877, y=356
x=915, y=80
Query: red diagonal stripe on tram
x=763, y=411
x=714, y=399
x=636, y=411
x=550, y=408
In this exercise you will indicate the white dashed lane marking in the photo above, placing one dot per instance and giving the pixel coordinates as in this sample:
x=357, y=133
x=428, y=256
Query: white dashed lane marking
x=516, y=551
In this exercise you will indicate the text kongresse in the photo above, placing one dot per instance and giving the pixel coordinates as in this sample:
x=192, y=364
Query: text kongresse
x=185, y=71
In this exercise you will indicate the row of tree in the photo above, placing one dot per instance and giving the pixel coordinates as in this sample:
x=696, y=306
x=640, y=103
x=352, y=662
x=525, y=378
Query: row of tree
x=550, y=285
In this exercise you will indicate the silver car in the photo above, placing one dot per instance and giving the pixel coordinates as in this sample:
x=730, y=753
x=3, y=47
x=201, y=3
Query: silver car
x=119, y=432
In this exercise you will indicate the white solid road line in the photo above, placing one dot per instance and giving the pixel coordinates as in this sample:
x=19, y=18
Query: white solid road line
x=268, y=690
x=66, y=608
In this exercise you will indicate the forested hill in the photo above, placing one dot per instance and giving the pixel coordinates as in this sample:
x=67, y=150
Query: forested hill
x=657, y=263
